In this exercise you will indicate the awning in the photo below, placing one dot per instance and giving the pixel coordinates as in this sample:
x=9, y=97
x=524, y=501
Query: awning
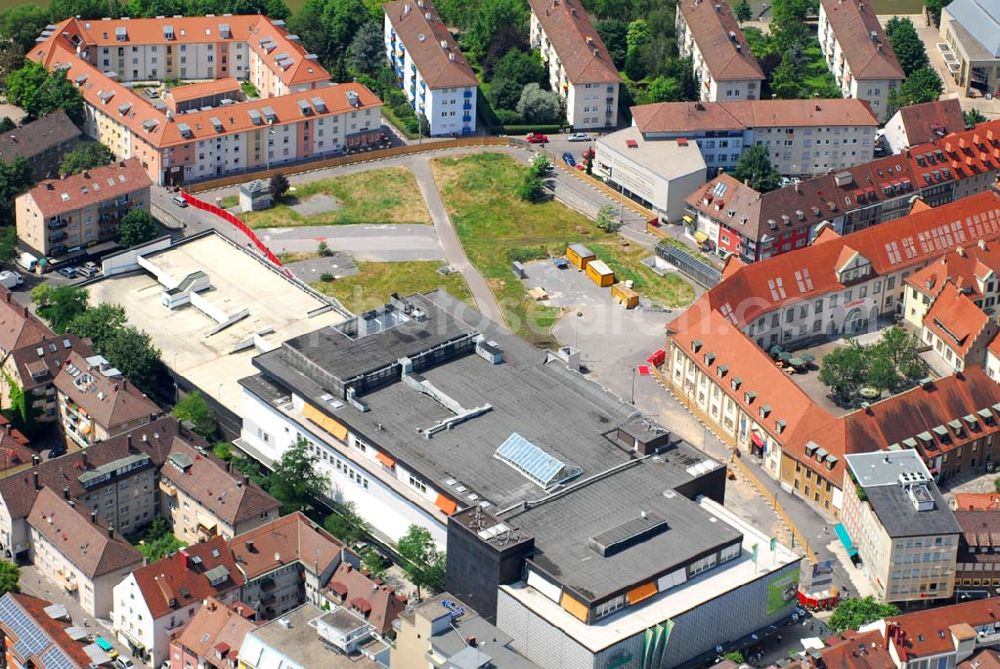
x=637, y=594
x=845, y=539
x=445, y=504
x=687, y=218
x=700, y=237
x=575, y=607
x=757, y=440
x=325, y=422
x=385, y=460
x=208, y=522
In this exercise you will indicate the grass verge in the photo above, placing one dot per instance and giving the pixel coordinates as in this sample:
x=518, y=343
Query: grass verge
x=376, y=196
x=375, y=281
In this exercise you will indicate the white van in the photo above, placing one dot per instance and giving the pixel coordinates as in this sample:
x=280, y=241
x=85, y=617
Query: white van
x=27, y=261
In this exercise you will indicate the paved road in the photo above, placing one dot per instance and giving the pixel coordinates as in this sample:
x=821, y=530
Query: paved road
x=379, y=243
x=454, y=253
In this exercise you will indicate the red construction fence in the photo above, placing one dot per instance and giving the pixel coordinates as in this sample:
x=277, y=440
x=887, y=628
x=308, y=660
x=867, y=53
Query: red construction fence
x=233, y=220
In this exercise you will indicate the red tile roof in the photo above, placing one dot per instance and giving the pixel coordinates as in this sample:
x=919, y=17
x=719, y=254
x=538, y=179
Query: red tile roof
x=977, y=501
x=214, y=628
x=580, y=48
x=292, y=538
x=18, y=326
x=861, y=651
x=736, y=115
x=179, y=580
x=110, y=401
x=38, y=363
x=88, y=188
x=931, y=120
x=54, y=631
x=928, y=632
x=383, y=604
x=964, y=265
x=717, y=34
x=88, y=546
x=203, y=90
x=853, y=23
x=430, y=45
x=955, y=319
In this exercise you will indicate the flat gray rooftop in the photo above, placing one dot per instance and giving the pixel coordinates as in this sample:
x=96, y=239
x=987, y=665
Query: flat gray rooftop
x=491, y=642
x=564, y=528
x=556, y=409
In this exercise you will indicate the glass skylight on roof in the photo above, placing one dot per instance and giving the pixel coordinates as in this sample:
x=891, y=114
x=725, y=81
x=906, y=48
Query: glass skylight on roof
x=535, y=463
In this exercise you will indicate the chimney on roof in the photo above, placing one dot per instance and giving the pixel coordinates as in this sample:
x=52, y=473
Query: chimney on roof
x=34, y=476
x=470, y=641
x=797, y=187
x=128, y=441
x=250, y=546
x=65, y=492
x=111, y=531
x=93, y=517
x=35, y=459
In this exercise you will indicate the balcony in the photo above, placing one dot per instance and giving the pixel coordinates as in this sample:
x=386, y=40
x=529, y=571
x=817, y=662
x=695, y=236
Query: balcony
x=168, y=488
x=467, y=94
x=57, y=224
x=467, y=106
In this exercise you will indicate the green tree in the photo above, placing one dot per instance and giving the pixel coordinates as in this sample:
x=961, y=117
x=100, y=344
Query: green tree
x=923, y=85
x=97, y=323
x=613, y=32
x=742, y=11
x=907, y=44
x=372, y=562
x=606, y=219
x=664, y=89
x=853, y=613
x=973, y=117
x=85, y=9
x=132, y=351
x=23, y=84
x=224, y=451
x=346, y=524
x=531, y=188
x=540, y=166
x=422, y=561
x=327, y=27
x=6, y=125
x=15, y=178
x=755, y=169
x=880, y=373
x=158, y=541
x=20, y=26
x=10, y=574
x=366, y=53
x=279, y=185
x=8, y=244
x=538, y=106
x=39, y=92
x=901, y=349
x=151, y=8
x=515, y=70
x=787, y=79
x=843, y=369
x=296, y=480
x=85, y=156
x=59, y=305
x=734, y=655
x=136, y=227
x=788, y=23
x=934, y=8
x=637, y=35
x=193, y=408
x=489, y=21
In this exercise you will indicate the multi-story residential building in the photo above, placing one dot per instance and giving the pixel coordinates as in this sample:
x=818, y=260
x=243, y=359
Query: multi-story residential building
x=213, y=637
x=717, y=359
x=918, y=124
x=445, y=627
x=81, y=556
x=19, y=327
x=658, y=174
x=43, y=143
x=900, y=526
x=858, y=53
x=111, y=478
x=36, y=633
x=379, y=606
x=96, y=402
x=709, y=34
x=309, y=636
x=15, y=453
x=301, y=114
x=32, y=369
x=82, y=209
x=203, y=498
x=738, y=220
x=957, y=330
x=973, y=267
x=977, y=570
x=579, y=64
x=432, y=70
x=970, y=28
x=803, y=137
x=155, y=602
x=488, y=408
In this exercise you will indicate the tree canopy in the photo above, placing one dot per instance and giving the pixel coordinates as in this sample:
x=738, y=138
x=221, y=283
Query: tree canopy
x=422, y=561
x=891, y=363
x=85, y=156
x=97, y=323
x=158, y=541
x=366, y=52
x=39, y=92
x=539, y=106
x=754, y=168
x=907, y=44
x=59, y=305
x=194, y=409
x=136, y=227
x=923, y=85
x=10, y=574
x=346, y=524
x=15, y=178
x=296, y=480
x=853, y=613
x=973, y=116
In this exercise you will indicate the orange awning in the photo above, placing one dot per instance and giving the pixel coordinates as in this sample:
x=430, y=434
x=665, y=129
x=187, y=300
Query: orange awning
x=575, y=607
x=325, y=422
x=385, y=460
x=445, y=504
x=645, y=591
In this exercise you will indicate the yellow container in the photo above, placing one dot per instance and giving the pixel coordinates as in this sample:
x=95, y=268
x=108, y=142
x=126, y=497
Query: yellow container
x=579, y=255
x=600, y=273
x=625, y=295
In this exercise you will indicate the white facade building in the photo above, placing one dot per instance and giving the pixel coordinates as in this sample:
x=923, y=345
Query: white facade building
x=708, y=34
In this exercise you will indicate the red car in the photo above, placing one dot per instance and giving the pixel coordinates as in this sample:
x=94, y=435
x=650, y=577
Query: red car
x=536, y=138
x=589, y=153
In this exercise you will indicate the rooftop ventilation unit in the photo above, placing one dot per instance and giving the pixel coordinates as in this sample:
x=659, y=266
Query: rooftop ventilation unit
x=629, y=533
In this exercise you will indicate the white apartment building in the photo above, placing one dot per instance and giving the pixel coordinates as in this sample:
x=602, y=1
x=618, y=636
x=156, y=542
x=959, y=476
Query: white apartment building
x=438, y=81
x=858, y=53
x=579, y=65
x=904, y=533
x=708, y=34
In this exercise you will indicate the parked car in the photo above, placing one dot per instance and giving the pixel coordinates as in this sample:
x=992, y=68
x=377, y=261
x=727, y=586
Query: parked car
x=86, y=272
x=536, y=138
x=106, y=646
x=578, y=137
x=10, y=279
x=179, y=201
x=68, y=272
x=124, y=663
x=569, y=159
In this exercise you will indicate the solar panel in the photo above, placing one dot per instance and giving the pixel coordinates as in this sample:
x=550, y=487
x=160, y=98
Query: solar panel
x=30, y=638
x=534, y=463
x=55, y=658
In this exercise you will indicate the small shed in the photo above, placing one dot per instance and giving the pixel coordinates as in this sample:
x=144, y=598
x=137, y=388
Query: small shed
x=600, y=273
x=255, y=195
x=579, y=255
x=624, y=295
x=518, y=269
x=538, y=294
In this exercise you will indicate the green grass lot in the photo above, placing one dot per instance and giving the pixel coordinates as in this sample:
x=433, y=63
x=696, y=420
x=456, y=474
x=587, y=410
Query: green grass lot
x=496, y=227
x=377, y=196
x=375, y=281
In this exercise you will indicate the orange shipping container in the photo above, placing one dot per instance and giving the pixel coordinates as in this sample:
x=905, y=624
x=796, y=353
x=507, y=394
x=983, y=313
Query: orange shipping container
x=600, y=273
